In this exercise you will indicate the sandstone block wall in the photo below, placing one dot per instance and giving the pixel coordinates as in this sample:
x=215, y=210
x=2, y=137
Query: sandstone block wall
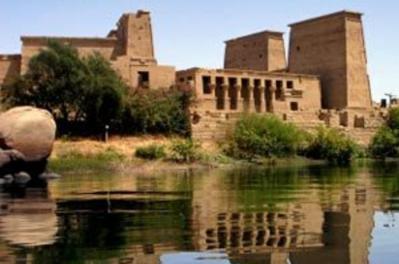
x=31, y=46
x=262, y=51
x=332, y=47
x=9, y=68
x=129, y=48
x=223, y=95
x=135, y=35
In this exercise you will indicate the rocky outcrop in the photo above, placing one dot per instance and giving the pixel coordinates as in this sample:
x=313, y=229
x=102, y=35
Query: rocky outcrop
x=27, y=136
x=28, y=130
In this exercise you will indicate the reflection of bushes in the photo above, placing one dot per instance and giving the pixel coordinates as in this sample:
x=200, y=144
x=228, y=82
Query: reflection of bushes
x=267, y=189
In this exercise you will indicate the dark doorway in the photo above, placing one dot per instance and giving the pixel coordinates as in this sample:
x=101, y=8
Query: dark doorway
x=143, y=79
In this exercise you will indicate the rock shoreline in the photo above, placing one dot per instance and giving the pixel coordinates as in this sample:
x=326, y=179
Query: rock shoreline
x=27, y=135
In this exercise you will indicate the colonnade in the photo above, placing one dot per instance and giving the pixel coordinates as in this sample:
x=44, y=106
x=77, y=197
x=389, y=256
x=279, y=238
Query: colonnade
x=248, y=95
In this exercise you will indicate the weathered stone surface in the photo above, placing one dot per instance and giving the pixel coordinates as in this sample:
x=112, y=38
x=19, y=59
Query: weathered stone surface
x=28, y=130
x=22, y=178
x=9, y=156
x=49, y=176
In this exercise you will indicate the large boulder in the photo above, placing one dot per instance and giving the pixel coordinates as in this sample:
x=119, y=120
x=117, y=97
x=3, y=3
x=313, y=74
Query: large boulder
x=29, y=130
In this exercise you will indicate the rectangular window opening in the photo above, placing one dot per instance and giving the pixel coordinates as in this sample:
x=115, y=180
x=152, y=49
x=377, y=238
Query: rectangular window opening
x=206, y=85
x=143, y=79
x=294, y=106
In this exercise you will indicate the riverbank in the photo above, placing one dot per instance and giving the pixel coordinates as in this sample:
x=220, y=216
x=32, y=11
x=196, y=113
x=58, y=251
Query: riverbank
x=118, y=154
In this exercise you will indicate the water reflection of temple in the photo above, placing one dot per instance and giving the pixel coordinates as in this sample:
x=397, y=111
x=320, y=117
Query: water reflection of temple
x=301, y=217
x=27, y=219
x=337, y=230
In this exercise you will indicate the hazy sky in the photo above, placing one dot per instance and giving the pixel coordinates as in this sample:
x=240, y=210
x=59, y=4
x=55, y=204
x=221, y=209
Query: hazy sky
x=190, y=33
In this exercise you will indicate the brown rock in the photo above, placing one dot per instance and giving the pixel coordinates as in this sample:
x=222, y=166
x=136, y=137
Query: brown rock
x=29, y=130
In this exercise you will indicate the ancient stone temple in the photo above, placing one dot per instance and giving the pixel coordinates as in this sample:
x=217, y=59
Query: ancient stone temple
x=129, y=48
x=325, y=81
x=333, y=47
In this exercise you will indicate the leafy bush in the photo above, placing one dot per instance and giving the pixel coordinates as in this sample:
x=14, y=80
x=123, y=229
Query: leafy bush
x=331, y=145
x=393, y=120
x=384, y=144
x=264, y=136
x=185, y=150
x=151, y=152
x=157, y=111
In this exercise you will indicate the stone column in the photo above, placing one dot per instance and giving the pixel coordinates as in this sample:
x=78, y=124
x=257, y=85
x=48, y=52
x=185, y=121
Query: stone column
x=224, y=96
x=272, y=91
x=213, y=86
x=240, y=101
x=251, y=101
x=262, y=103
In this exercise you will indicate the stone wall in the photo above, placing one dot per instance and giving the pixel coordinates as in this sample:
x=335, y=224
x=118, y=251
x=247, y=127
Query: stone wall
x=333, y=47
x=31, y=46
x=129, y=48
x=262, y=51
x=221, y=96
x=9, y=67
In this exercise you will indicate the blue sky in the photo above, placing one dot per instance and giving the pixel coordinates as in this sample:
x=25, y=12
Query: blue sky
x=191, y=33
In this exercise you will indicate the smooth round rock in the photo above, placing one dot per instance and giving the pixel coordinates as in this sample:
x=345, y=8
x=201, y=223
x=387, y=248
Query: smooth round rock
x=22, y=178
x=29, y=130
x=49, y=176
x=8, y=179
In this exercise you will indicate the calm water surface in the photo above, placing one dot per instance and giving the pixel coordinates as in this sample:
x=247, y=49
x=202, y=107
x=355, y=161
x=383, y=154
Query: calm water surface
x=315, y=214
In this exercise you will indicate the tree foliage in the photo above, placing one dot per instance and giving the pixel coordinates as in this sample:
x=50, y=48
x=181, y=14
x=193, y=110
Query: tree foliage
x=332, y=145
x=264, y=136
x=75, y=90
x=385, y=143
x=157, y=111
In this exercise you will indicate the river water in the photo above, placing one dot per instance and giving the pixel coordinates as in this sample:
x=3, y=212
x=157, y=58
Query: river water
x=298, y=214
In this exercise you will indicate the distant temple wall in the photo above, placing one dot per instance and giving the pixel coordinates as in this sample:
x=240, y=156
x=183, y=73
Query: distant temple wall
x=262, y=51
x=129, y=48
x=9, y=68
x=31, y=46
x=333, y=47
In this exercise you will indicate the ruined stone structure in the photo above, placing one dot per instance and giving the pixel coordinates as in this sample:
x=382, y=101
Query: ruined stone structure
x=129, y=48
x=333, y=47
x=223, y=95
x=325, y=82
x=262, y=51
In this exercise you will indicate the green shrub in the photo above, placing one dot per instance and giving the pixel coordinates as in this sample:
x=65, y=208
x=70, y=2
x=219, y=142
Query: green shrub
x=393, y=120
x=157, y=112
x=151, y=152
x=329, y=144
x=264, y=136
x=384, y=144
x=83, y=94
x=185, y=150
